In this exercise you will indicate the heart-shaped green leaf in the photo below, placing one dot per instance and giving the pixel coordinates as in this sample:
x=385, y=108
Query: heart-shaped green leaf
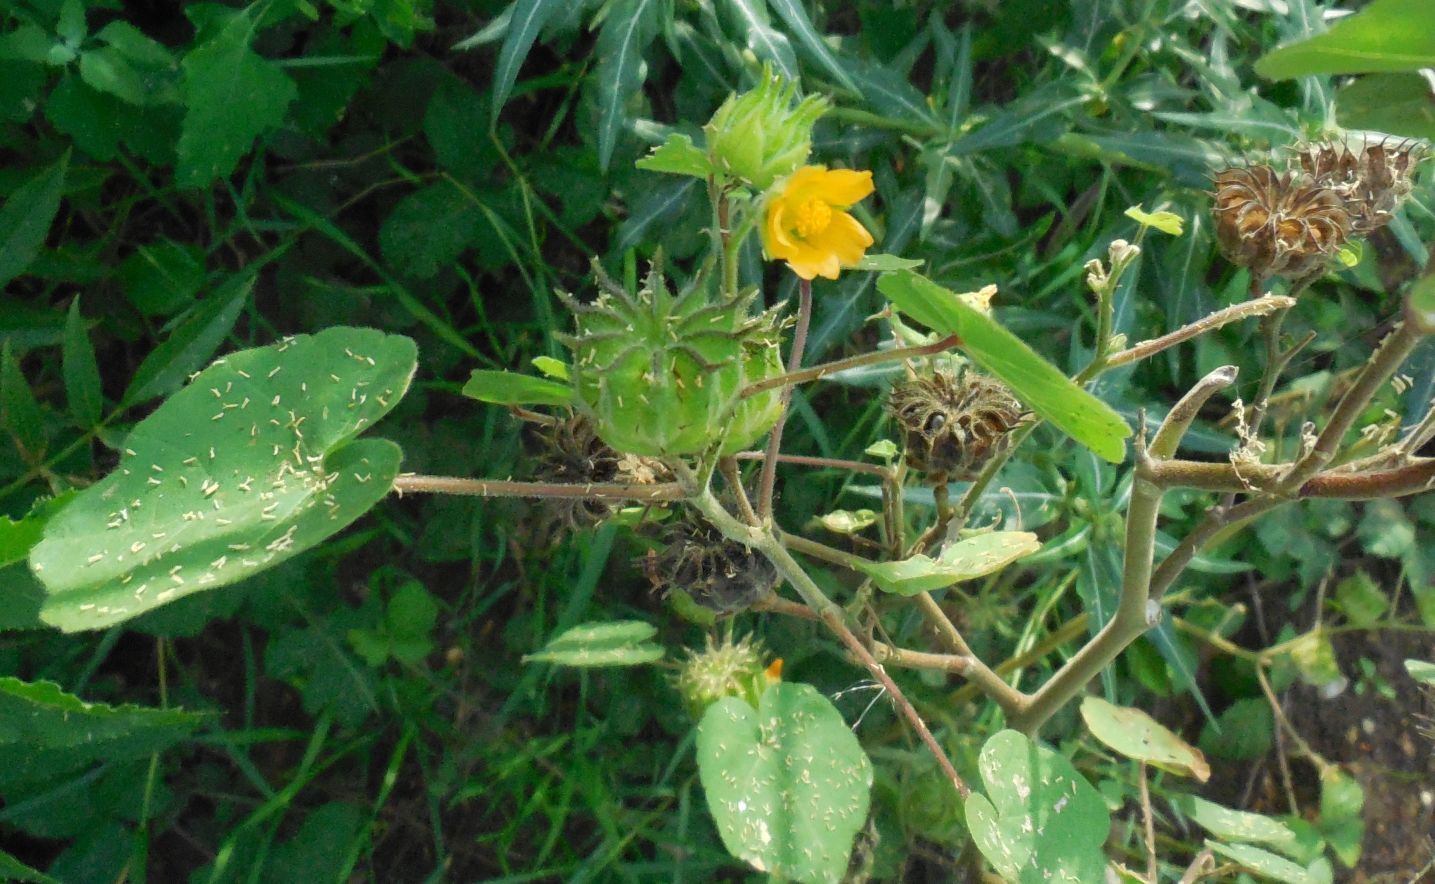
x=1137, y=735
x=248, y=465
x=621, y=643
x=1040, y=820
x=787, y=783
x=964, y=560
x=1035, y=381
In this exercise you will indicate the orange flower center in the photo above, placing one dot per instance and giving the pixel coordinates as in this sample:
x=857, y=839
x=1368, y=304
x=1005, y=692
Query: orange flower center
x=813, y=217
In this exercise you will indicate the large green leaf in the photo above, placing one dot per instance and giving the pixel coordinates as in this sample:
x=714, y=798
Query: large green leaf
x=26, y=217
x=1399, y=104
x=45, y=731
x=1040, y=820
x=250, y=464
x=787, y=783
x=1387, y=35
x=1035, y=381
x=232, y=96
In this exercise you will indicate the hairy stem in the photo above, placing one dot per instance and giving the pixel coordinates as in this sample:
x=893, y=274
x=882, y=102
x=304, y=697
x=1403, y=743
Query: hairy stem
x=1243, y=310
x=412, y=483
x=764, y=541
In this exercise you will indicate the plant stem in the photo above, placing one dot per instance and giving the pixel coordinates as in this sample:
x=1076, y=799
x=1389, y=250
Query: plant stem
x=794, y=362
x=764, y=541
x=829, y=462
x=412, y=483
x=818, y=372
x=1388, y=356
x=1243, y=310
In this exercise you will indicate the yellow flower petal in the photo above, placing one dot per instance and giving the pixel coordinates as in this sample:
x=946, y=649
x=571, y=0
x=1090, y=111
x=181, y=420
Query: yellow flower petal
x=806, y=224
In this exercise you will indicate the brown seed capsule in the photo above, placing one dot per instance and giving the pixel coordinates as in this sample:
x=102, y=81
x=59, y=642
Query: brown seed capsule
x=952, y=424
x=1277, y=224
x=719, y=574
x=1371, y=182
x=569, y=451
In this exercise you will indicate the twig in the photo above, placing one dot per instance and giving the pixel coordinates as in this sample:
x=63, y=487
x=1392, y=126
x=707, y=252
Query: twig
x=1150, y=823
x=804, y=460
x=794, y=362
x=412, y=483
x=817, y=372
x=1243, y=310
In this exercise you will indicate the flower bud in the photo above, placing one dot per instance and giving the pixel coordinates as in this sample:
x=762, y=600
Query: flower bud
x=729, y=669
x=759, y=136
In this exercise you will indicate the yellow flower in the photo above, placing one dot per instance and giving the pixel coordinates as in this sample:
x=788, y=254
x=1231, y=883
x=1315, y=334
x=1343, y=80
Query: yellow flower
x=808, y=226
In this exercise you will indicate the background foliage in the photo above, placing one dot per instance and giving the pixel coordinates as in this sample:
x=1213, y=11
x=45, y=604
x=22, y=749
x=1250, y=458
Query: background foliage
x=182, y=185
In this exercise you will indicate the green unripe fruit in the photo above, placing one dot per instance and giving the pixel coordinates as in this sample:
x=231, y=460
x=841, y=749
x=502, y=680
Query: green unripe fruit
x=726, y=669
x=759, y=136
x=661, y=374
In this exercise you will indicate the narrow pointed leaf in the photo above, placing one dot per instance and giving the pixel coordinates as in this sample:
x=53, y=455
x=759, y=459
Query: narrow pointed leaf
x=525, y=19
x=26, y=217
x=1035, y=381
x=81, y=370
x=622, y=643
x=191, y=343
x=511, y=388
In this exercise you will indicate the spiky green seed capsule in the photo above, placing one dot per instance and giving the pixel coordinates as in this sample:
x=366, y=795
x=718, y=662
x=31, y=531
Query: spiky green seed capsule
x=726, y=669
x=759, y=136
x=661, y=374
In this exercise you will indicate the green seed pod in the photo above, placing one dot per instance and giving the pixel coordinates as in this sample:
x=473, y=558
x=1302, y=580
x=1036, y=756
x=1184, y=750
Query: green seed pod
x=952, y=424
x=661, y=374
x=759, y=136
x=728, y=669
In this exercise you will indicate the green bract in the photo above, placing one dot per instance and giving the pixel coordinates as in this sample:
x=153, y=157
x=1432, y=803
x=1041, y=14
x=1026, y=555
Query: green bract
x=759, y=136
x=661, y=374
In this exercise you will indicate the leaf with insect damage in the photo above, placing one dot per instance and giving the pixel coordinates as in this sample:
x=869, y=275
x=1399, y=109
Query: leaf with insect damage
x=253, y=462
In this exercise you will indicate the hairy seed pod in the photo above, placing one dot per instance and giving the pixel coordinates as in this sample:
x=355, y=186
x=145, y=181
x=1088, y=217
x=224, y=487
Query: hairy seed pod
x=1278, y=224
x=569, y=451
x=724, y=669
x=1371, y=182
x=953, y=423
x=719, y=574
x=662, y=374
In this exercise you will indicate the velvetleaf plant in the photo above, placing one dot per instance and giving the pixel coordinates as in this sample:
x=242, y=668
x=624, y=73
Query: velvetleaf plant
x=676, y=377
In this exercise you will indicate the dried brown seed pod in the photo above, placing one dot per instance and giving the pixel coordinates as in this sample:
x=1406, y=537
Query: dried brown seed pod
x=1278, y=224
x=720, y=574
x=569, y=451
x=953, y=423
x=1371, y=181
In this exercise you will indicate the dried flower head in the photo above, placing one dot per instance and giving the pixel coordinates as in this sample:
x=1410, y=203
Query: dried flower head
x=569, y=451
x=1371, y=181
x=953, y=423
x=1278, y=224
x=719, y=574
